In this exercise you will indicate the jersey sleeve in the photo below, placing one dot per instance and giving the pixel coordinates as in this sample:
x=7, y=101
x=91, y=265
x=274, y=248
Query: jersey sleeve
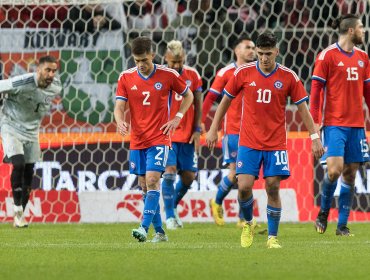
x=6, y=85
x=320, y=71
x=218, y=84
x=121, y=93
x=16, y=84
x=367, y=72
x=178, y=84
x=234, y=85
x=297, y=92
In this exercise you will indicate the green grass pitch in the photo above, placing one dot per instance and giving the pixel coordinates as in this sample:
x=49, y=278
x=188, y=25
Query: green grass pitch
x=199, y=251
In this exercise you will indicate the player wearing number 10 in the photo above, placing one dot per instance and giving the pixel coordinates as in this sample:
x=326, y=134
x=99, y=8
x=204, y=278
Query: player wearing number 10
x=265, y=86
x=342, y=76
x=147, y=89
x=28, y=100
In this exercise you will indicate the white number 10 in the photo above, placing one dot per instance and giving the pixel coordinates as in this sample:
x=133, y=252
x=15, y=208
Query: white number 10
x=264, y=96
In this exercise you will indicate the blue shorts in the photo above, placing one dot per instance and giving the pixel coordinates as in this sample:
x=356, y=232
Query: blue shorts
x=149, y=159
x=230, y=148
x=275, y=163
x=183, y=156
x=347, y=142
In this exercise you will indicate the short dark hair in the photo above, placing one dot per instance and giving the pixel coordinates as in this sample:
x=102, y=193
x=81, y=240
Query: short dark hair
x=344, y=23
x=266, y=40
x=141, y=45
x=47, y=59
x=240, y=39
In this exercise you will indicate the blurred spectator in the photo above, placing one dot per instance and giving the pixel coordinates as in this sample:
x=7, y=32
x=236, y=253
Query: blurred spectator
x=90, y=18
x=243, y=16
x=146, y=14
x=32, y=16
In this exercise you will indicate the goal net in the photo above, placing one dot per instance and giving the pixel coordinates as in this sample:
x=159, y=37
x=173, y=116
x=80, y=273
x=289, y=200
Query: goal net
x=83, y=174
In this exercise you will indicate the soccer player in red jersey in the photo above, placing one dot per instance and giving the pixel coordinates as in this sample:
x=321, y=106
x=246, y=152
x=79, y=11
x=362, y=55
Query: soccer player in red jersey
x=341, y=77
x=244, y=52
x=147, y=89
x=182, y=157
x=265, y=86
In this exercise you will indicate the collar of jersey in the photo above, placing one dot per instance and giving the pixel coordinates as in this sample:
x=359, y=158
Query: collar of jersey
x=344, y=52
x=270, y=74
x=150, y=75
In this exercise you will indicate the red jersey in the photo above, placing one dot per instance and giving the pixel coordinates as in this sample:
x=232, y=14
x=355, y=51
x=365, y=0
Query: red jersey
x=344, y=75
x=232, y=118
x=148, y=100
x=263, y=124
x=185, y=129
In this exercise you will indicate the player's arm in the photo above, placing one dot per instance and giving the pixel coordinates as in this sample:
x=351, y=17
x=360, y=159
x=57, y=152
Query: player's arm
x=195, y=137
x=119, y=116
x=317, y=148
x=210, y=99
x=6, y=85
x=211, y=138
x=316, y=90
x=170, y=127
x=367, y=94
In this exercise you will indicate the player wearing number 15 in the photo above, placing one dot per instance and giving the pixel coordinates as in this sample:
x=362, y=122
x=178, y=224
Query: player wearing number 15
x=265, y=86
x=28, y=99
x=342, y=76
x=147, y=89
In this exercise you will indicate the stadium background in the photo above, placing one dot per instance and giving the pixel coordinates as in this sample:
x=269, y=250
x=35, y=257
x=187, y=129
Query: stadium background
x=83, y=175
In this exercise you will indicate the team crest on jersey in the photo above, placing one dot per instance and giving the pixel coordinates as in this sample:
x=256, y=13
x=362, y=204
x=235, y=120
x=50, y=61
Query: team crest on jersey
x=361, y=63
x=188, y=83
x=278, y=84
x=158, y=86
x=240, y=164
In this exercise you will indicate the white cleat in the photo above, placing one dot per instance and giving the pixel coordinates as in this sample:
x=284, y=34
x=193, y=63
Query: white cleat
x=178, y=221
x=19, y=220
x=171, y=224
x=159, y=237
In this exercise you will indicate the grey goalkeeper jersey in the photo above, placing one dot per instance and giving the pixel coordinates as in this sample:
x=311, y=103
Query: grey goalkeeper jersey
x=26, y=104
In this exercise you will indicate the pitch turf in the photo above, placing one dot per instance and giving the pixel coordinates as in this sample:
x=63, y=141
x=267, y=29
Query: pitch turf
x=199, y=251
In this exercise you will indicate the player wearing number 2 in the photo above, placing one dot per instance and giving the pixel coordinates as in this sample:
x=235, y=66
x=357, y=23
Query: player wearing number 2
x=147, y=89
x=28, y=99
x=342, y=75
x=265, y=86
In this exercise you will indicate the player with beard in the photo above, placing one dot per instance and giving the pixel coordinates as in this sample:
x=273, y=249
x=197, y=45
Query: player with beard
x=28, y=99
x=341, y=78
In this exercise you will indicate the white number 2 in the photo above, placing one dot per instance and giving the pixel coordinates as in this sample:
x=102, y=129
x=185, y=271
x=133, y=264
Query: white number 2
x=160, y=152
x=145, y=101
x=352, y=74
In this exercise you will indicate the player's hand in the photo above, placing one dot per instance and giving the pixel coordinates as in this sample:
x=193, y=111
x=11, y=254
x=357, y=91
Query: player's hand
x=122, y=128
x=195, y=138
x=211, y=138
x=170, y=126
x=317, y=148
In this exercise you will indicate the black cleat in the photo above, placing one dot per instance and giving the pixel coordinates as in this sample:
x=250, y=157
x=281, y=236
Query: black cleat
x=343, y=231
x=321, y=221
